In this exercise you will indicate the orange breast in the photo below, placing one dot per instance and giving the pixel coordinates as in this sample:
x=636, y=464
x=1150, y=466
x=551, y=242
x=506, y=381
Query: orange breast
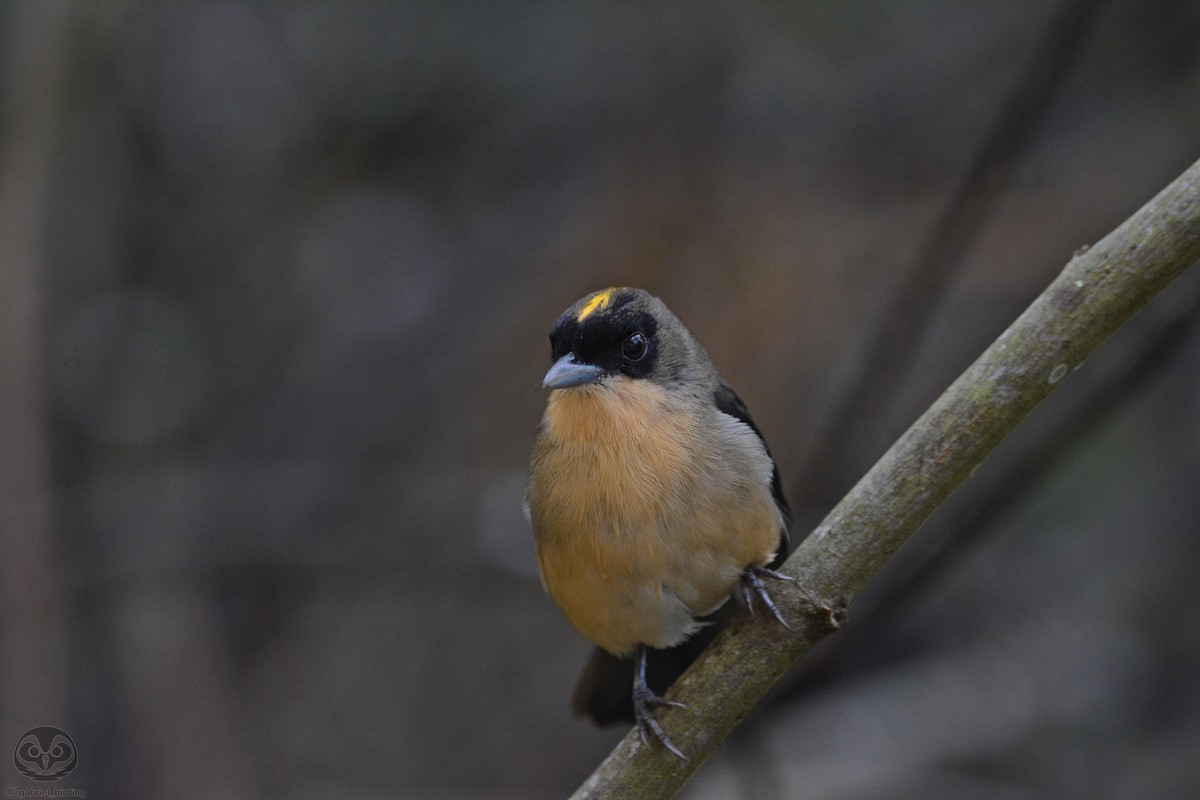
x=645, y=512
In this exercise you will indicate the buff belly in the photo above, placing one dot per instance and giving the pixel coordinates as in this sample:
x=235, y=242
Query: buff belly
x=645, y=515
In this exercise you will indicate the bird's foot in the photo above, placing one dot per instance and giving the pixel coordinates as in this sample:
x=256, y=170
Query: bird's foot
x=644, y=702
x=752, y=587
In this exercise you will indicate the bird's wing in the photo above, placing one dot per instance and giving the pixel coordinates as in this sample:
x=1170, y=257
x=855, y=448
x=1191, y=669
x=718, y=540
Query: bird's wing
x=729, y=403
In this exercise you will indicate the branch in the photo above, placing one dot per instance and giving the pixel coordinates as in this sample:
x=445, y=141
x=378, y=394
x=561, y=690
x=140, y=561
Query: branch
x=977, y=513
x=1097, y=292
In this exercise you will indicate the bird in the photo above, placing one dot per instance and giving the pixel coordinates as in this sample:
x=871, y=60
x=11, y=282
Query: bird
x=653, y=499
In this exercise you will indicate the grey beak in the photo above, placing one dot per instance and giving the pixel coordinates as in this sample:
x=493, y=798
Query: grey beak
x=567, y=372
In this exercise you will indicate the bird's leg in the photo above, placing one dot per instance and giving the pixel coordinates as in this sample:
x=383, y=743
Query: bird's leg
x=644, y=703
x=752, y=586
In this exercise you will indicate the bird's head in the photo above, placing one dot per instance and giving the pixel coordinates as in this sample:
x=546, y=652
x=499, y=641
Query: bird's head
x=623, y=333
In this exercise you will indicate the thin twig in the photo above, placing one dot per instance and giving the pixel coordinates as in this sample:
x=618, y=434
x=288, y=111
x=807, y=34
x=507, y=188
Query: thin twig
x=845, y=441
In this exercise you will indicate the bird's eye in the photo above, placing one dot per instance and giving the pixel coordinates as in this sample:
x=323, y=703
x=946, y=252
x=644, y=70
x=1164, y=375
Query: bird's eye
x=635, y=346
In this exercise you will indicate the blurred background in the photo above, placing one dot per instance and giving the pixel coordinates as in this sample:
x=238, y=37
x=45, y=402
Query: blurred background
x=275, y=283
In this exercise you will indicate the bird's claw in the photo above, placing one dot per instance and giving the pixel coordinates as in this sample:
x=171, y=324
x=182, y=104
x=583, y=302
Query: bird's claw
x=753, y=587
x=644, y=702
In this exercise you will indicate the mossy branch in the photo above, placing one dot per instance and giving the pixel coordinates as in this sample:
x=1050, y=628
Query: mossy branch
x=1098, y=291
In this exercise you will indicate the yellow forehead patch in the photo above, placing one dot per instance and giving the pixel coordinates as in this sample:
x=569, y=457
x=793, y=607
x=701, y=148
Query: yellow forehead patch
x=598, y=301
